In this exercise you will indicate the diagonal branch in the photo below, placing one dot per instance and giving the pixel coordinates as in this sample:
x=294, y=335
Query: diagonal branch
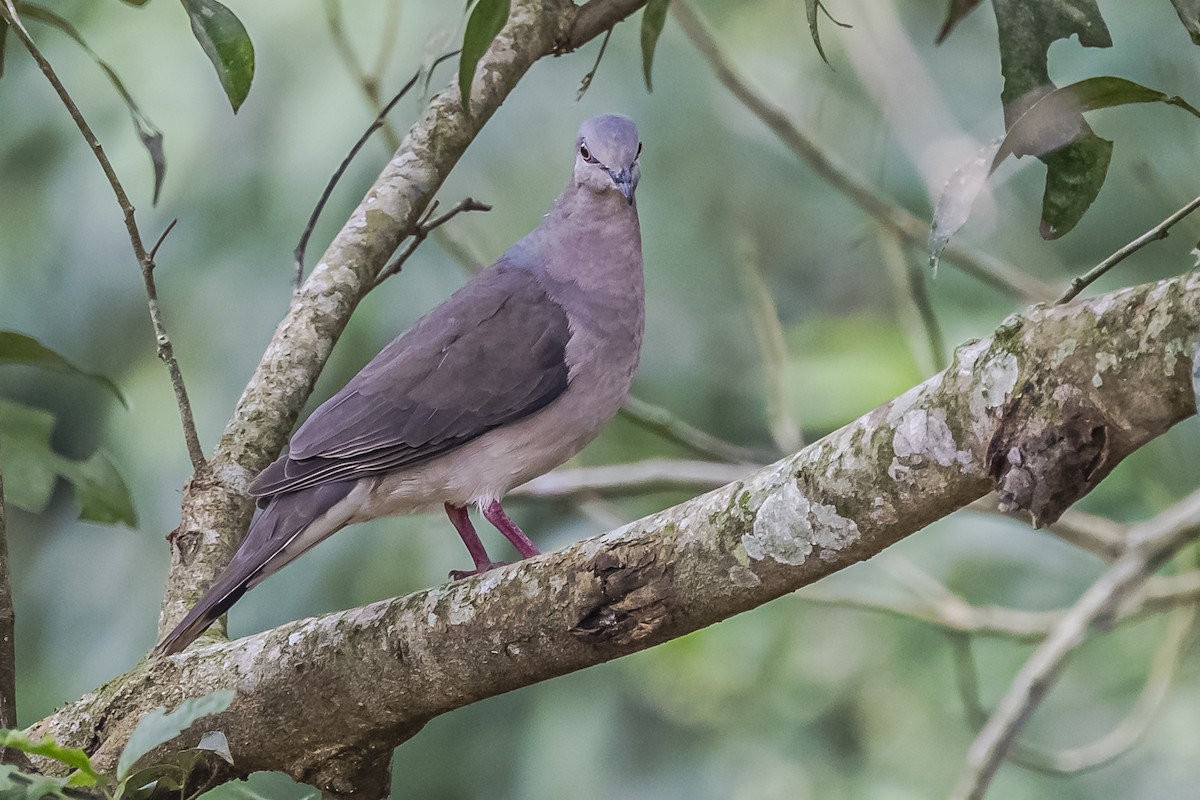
x=892, y=217
x=399, y=663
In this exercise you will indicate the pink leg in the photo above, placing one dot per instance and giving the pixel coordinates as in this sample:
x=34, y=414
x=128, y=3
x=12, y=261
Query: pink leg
x=466, y=531
x=494, y=514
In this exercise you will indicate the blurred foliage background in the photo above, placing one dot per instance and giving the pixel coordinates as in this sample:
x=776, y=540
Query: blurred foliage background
x=798, y=699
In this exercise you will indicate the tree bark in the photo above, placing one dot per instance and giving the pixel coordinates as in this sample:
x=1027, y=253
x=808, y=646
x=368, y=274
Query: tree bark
x=1112, y=372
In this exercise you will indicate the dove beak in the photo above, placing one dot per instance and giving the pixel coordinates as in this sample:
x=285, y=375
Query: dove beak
x=624, y=182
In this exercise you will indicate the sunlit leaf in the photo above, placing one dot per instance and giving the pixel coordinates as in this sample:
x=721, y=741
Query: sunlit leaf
x=811, y=7
x=73, y=757
x=958, y=9
x=262, y=786
x=227, y=45
x=159, y=726
x=1189, y=15
x=31, y=468
x=654, y=16
x=17, y=348
x=485, y=23
x=1026, y=31
x=148, y=133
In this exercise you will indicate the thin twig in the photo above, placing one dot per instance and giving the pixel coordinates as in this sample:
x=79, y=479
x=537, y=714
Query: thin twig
x=586, y=83
x=422, y=231
x=376, y=124
x=1149, y=543
x=368, y=83
x=145, y=260
x=1095, y=534
x=913, y=304
x=894, y=217
x=667, y=425
x=1156, y=233
x=638, y=477
x=768, y=333
x=162, y=237
x=8, y=661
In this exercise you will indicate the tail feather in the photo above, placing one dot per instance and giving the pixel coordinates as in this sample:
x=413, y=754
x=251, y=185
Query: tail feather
x=270, y=543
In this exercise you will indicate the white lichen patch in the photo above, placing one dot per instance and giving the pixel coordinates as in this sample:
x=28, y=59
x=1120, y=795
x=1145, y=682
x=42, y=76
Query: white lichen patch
x=1104, y=363
x=922, y=438
x=461, y=611
x=1065, y=349
x=788, y=525
x=996, y=378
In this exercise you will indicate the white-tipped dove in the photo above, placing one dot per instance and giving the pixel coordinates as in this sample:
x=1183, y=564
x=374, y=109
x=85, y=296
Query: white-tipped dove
x=507, y=379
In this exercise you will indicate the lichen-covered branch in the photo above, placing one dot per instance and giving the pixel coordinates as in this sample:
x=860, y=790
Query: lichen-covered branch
x=1120, y=362
x=215, y=508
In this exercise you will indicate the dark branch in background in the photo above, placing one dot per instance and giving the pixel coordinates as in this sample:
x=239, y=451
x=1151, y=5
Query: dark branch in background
x=636, y=477
x=1156, y=233
x=667, y=425
x=145, y=260
x=1148, y=545
x=376, y=124
x=367, y=82
x=891, y=216
x=8, y=666
x=422, y=231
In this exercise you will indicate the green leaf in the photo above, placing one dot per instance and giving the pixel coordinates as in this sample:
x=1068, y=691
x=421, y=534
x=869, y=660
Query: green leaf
x=17, y=348
x=159, y=726
x=18, y=785
x=100, y=491
x=148, y=133
x=954, y=15
x=31, y=468
x=485, y=23
x=811, y=7
x=227, y=45
x=1026, y=31
x=135, y=3
x=262, y=786
x=653, y=19
x=73, y=757
x=1189, y=15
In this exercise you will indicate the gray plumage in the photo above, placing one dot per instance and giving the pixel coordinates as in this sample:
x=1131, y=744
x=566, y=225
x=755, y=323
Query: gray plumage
x=508, y=378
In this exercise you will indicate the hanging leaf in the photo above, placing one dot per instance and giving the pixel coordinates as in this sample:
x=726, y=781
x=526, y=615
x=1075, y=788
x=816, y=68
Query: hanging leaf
x=159, y=726
x=31, y=468
x=17, y=348
x=653, y=18
x=954, y=15
x=1076, y=171
x=227, y=45
x=811, y=7
x=148, y=133
x=1189, y=15
x=485, y=23
x=954, y=205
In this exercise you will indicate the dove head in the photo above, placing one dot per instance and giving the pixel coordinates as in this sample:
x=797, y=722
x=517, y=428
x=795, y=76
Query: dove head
x=606, y=155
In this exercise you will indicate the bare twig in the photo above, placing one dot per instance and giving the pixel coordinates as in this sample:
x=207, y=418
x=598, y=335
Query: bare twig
x=768, y=333
x=667, y=425
x=376, y=124
x=1149, y=543
x=1098, y=535
x=914, y=305
x=162, y=237
x=166, y=352
x=894, y=217
x=1159, y=231
x=586, y=83
x=422, y=231
x=638, y=477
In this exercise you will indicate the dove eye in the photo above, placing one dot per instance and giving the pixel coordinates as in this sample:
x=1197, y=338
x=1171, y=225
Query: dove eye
x=586, y=154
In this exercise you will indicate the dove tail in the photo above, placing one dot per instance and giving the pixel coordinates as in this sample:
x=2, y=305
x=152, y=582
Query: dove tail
x=285, y=527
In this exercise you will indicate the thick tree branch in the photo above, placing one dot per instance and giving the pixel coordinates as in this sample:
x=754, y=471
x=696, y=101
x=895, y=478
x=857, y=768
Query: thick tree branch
x=215, y=508
x=396, y=664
